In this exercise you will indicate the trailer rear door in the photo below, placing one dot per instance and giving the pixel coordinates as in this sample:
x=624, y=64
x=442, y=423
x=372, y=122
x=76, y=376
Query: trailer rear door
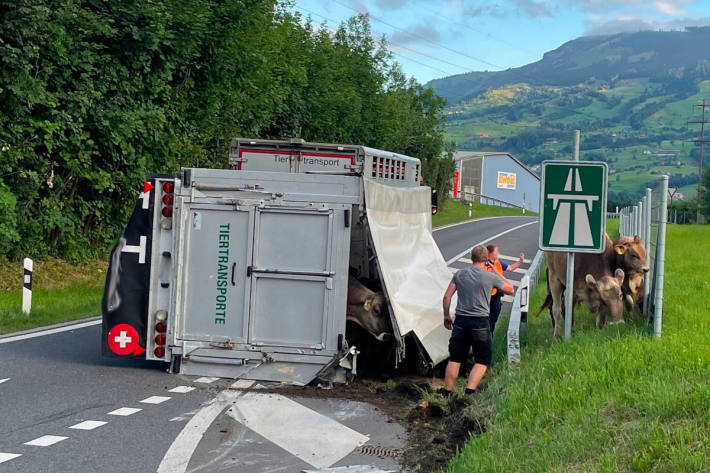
x=292, y=273
x=215, y=285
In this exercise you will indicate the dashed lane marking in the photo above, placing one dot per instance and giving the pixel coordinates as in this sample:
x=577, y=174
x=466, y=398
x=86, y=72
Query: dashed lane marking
x=5, y=457
x=155, y=399
x=306, y=434
x=181, y=389
x=125, y=411
x=46, y=440
x=514, y=258
x=4, y=380
x=88, y=425
x=463, y=253
x=206, y=380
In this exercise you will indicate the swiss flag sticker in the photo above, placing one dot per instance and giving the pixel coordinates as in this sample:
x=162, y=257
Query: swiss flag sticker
x=123, y=340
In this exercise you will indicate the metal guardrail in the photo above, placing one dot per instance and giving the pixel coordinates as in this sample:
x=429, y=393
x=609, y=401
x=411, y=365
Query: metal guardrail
x=521, y=303
x=647, y=219
x=483, y=199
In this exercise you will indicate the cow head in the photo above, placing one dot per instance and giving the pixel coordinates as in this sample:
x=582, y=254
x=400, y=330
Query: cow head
x=372, y=315
x=604, y=295
x=630, y=255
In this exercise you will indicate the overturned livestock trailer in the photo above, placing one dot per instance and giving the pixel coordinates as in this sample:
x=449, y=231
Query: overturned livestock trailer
x=244, y=272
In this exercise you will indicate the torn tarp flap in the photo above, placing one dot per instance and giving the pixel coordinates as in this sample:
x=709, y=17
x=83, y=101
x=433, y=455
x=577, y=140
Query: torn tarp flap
x=414, y=271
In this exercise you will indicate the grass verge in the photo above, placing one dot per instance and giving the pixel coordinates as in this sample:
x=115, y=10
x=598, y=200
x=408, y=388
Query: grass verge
x=62, y=291
x=453, y=211
x=610, y=400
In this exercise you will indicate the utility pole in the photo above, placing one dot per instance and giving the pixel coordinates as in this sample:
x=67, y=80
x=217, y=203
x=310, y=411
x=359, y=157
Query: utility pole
x=702, y=106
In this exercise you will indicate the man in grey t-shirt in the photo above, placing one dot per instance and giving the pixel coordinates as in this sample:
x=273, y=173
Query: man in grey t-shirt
x=471, y=328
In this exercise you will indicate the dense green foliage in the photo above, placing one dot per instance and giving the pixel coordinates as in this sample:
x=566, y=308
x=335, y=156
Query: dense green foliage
x=705, y=194
x=94, y=95
x=631, y=94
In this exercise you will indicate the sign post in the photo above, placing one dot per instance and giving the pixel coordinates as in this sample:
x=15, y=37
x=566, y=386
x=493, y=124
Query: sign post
x=573, y=215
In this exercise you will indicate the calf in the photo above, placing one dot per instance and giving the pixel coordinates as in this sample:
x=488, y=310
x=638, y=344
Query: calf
x=594, y=284
x=368, y=309
x=630, y=256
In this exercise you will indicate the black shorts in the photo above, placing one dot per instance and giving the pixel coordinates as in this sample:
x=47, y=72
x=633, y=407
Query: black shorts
x=469, y=334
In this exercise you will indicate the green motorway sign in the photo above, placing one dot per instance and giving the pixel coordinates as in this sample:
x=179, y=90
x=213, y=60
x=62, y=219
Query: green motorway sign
x=573, y=206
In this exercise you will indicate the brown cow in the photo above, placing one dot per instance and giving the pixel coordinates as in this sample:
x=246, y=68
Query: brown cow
x=594, y=284
x=368, y=309
x=630, y=256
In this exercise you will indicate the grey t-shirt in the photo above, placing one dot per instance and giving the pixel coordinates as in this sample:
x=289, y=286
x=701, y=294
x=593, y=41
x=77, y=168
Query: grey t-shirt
x=473, y=287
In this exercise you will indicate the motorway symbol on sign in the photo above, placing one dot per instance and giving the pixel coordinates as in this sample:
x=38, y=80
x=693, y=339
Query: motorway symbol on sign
x=573, y=206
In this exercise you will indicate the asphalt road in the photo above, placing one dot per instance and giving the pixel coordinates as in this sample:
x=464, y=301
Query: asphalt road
x=53, y=382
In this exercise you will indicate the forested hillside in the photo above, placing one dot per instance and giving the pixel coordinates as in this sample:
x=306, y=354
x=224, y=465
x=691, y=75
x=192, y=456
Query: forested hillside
x=631, y=94
x=94, y=95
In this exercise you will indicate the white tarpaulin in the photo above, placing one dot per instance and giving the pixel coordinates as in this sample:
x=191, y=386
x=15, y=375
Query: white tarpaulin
x=414, y=272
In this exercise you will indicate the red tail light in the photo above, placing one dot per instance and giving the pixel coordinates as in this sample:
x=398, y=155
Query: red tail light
x=167, y=212
x=160, y=339
x=168, y=187
x=159, y=352
x=160, y=327
x=168, y=199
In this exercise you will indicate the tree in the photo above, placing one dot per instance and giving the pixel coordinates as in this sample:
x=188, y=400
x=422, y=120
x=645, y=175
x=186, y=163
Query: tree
x=705, y=194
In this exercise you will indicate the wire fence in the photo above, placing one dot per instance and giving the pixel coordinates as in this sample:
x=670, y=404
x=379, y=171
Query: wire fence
x=521, y=303
x=647, y=219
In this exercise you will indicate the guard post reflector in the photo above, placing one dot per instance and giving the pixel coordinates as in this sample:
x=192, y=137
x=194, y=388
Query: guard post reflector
x=27, y=285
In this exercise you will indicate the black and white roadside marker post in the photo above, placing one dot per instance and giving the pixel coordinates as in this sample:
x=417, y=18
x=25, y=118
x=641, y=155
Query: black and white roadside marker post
x=27, y=286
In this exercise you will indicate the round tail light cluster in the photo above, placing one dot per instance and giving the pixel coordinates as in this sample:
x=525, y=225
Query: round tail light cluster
x=167, y=210
x=161, y=327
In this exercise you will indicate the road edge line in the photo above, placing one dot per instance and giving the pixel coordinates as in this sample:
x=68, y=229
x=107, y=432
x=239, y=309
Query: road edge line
x=50, y=329
x=471, y=220
x=455, y=258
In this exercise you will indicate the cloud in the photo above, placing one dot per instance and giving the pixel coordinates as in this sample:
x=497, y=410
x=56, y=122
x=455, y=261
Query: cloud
x=416, y=33
x=534, y=8
x=390, y=4
x=630, y=24
x=665, y=7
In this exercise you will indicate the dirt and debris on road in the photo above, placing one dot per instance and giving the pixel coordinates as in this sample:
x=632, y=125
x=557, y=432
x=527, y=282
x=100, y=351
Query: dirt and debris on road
x=436, y=427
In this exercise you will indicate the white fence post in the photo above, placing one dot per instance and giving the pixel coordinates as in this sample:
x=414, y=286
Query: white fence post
x=27, y=286
x=659, y=267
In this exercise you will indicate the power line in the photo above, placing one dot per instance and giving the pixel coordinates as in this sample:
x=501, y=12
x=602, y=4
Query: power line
x=306, y=10
x=464, y=25
x=483, y=61
x=700, y=141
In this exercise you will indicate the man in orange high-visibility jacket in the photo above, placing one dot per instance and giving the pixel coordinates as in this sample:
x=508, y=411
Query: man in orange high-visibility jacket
x=496, y=265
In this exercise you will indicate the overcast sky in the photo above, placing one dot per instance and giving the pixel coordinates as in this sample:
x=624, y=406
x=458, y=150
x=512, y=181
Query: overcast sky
x=436, y=38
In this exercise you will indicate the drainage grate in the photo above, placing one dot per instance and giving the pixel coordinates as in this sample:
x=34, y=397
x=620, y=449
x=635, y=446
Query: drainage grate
x=378, y=451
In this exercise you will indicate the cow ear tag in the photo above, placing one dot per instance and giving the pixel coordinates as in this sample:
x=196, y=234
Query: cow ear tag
x=368, y=305
x=619, y=250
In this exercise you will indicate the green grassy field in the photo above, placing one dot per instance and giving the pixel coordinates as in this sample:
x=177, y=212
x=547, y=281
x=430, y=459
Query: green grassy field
x=610, y=400
x=62, y=291
x=453, y=211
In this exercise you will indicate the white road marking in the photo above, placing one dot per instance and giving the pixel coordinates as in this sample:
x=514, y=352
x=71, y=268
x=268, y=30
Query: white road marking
x=513, y=282
x=50, y=331
x=206, y=380
x=88, y=425
x=183, y=447
x=155, y=399
x=507, y=298
x=475, y=220
x=314, y=438
x=242, y=384
x=520, y=270
x=463, y=253
x=125, y=411
x=46, y=440
x=4, y=380
x=4, y=457
x=513, y=258
x=181, y=389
